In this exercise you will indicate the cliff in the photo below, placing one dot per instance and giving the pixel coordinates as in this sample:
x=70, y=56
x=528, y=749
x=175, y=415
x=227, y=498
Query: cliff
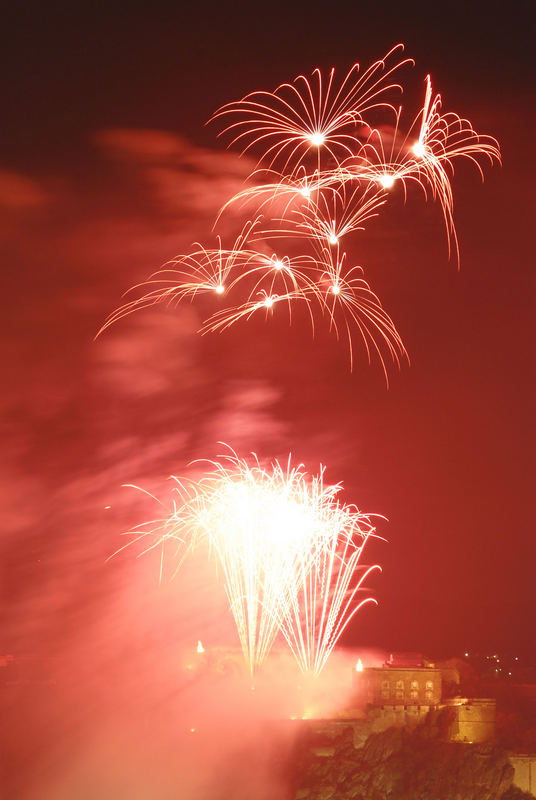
x=401, y=764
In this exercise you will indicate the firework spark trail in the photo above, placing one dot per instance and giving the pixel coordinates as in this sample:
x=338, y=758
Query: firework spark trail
x=288, y=550
x=325, y=171
x=305, y=117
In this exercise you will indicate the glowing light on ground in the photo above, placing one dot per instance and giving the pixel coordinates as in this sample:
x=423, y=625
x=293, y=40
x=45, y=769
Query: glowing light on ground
x=359, y=666
x=200, y=648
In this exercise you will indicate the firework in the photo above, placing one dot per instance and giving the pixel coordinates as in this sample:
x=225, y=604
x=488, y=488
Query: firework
x=329, y=155
x=287, y=548
x=309, y=118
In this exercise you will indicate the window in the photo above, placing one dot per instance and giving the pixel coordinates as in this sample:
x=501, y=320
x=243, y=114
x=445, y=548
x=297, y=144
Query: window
x=400, y=684
x=414, y=684
x=429, y=684
x=414, y=694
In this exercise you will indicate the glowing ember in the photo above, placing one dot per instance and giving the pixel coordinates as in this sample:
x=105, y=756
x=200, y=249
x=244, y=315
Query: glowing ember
x=317, y=139
x=359, y=666
x=419, y=149
x=200, y=648
x=387, y=181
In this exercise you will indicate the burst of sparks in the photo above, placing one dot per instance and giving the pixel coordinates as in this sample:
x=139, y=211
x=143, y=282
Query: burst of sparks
x=287, y=547
x=324, y=171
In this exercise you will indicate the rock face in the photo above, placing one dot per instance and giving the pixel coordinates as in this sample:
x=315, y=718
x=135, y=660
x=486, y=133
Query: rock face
x=400, y=764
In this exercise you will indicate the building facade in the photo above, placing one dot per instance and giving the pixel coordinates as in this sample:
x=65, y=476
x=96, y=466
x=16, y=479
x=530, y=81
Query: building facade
x=400, y=686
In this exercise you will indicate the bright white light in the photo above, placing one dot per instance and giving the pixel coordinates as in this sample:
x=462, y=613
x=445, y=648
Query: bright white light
x=219, y=289
x=332, y=239
x=418, y=149
x=386, y=181
x=359, y=666
x=336, y=289
x=305, y=191
x=278, y=264
x=317, y=139
x=269, y=302
x=200, y=648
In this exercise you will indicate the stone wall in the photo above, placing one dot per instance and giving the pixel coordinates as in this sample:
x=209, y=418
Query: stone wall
x=474, y=719
x=524, y=771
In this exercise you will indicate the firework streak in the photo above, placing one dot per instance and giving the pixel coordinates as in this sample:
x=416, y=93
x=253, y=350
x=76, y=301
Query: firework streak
x=329, y=153
x=287, y=548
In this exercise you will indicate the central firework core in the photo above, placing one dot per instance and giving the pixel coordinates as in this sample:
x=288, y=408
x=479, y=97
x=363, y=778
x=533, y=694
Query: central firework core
x=288, y=550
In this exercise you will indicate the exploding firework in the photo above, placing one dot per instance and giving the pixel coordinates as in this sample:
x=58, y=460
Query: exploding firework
x=287, y=548
x=329, y=153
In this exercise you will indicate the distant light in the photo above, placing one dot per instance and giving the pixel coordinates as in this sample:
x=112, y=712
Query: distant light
x=200, y=648
x=219, y=289
x=317, y=139
x=269, y=302
x=419, y=149
x=386, y=181
x=336, y=289
x=466, y=655
x=516, y=658
x=332, y=239
x=192, y=730
x=106, y=507
x=359, y=666
x=509, y=673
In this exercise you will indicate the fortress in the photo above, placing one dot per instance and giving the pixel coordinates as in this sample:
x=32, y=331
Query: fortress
x=402, y=692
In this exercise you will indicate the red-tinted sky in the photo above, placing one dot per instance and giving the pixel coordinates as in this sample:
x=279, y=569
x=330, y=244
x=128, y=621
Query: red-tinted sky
x=107, y=170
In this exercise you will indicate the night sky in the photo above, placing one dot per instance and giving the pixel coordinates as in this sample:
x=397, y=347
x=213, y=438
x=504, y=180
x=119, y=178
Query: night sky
x=106, y=170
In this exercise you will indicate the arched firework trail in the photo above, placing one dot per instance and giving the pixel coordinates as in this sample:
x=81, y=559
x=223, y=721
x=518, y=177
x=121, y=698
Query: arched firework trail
x=287, y=548
x=329, y=153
